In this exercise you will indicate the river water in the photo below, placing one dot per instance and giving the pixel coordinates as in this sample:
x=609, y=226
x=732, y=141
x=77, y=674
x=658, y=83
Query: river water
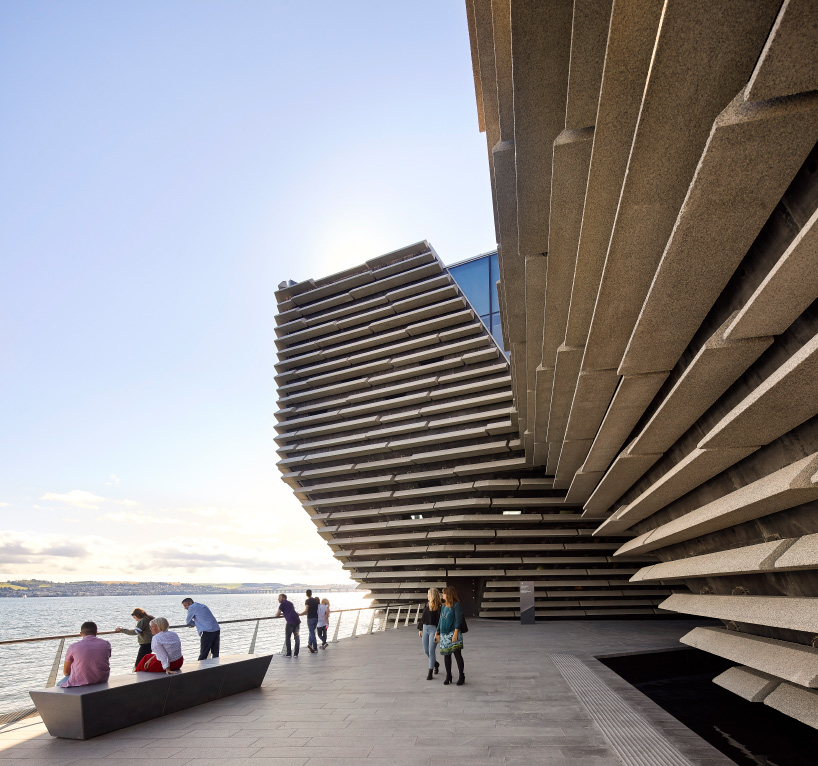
x=27, y=666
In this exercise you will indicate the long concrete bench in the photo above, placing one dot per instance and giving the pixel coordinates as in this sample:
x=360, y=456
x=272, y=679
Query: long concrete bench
x=82, y=712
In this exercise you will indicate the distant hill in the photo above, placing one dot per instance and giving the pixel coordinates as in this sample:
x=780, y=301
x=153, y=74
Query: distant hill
x=45, y=588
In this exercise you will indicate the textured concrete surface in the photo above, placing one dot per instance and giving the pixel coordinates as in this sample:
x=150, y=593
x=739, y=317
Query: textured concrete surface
x=366, y=701
x=751, y=684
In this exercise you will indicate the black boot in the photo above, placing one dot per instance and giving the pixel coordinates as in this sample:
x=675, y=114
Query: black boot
x=429, y=675
x=437, y=668
x=447, y=681
x=461, y=680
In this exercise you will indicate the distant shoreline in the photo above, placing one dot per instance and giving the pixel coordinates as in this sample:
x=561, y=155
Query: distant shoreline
x=49, y=589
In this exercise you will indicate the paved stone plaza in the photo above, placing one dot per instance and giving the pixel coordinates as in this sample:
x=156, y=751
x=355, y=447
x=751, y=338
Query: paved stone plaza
x=366, y=700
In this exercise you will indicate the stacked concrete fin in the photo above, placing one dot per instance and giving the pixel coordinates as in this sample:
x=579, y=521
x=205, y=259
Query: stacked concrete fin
x=655, y=179
x=398, y=435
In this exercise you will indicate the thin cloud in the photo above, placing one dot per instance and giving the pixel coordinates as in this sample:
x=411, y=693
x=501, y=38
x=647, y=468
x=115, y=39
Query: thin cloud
x=80, y=498
x=129, y=517
x=4, y=505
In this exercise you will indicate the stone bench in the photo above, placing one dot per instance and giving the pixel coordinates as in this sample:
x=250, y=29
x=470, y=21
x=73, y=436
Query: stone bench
x=82, y=712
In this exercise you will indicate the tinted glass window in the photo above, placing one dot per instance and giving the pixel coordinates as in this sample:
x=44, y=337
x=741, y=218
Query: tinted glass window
x=474, y=280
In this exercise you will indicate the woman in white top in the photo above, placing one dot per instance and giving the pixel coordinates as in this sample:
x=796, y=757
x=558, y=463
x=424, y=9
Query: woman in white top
x=323, y=621
x=166, y=650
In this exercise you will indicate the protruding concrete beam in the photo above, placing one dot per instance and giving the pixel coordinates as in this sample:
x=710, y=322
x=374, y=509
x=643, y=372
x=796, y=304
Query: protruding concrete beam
x=788, y=63
x=787, y=612
x=793, y=662
x=751, y=684
x=751, y=156
x=782, y=489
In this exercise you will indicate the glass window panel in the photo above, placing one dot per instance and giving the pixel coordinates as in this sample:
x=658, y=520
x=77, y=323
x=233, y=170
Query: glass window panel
x=494, y=276
x=496, y=330
x=473, y=278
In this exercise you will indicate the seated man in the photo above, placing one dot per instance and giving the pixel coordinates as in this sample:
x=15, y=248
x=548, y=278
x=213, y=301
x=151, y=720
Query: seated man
x=87, y=661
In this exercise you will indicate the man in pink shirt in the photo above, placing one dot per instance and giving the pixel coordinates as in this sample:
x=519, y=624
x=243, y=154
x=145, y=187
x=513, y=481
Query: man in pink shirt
x=87, y=661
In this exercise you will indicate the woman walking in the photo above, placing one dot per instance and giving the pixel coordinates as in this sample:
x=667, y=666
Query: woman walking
x=142, y=632
x=427, y=628
x=323, y=621
x=449, y=635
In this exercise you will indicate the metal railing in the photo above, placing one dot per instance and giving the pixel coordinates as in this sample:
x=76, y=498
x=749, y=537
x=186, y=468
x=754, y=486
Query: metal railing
x=18, y=715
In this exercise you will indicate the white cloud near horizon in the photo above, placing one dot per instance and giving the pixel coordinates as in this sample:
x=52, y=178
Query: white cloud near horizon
x=29, y=554
x=80, y=498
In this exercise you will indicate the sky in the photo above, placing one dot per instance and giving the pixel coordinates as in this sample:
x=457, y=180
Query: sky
x=163, y=166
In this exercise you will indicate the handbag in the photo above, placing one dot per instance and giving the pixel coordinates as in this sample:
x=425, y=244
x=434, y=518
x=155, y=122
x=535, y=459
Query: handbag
x=447, y=646
x=464, y=628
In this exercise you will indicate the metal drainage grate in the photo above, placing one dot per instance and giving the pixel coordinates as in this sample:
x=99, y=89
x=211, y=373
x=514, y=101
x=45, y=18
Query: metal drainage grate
x=635, y=741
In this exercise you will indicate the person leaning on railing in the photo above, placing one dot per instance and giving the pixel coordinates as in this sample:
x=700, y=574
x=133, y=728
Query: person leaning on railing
x=166, y=648
x=142, y=632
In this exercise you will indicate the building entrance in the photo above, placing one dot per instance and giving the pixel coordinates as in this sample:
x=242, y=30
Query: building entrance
x=470, y=590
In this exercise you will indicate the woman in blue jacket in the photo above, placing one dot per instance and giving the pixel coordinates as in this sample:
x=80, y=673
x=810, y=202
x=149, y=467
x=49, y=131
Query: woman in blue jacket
x=449, y=636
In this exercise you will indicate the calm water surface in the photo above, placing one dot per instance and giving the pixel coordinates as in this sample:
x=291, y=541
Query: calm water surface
x=27, y=666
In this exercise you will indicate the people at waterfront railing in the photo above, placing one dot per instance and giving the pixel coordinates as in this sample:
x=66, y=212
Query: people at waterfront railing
x=287, y=610
x=323, y=621
x=449, y=634
x=200, y=617
x=142, y=632
x=166, y=650
x=311, y=610
x=87, y=661
x=427, y=628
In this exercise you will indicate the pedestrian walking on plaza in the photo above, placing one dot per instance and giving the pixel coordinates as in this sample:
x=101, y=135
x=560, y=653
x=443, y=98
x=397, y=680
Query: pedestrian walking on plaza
x=449, y=634
x=427, y=628
x=142, y=632
x=311, y=610
x=200, y=617
x=287, y=611
x=323, y=621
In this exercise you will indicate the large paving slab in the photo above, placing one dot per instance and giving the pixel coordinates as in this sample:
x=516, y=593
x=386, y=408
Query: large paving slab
x=533, y=694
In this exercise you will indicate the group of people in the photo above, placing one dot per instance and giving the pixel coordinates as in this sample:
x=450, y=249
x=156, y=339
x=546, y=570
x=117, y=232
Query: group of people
x=160, y=649
x=442, y=626
x=317, y=612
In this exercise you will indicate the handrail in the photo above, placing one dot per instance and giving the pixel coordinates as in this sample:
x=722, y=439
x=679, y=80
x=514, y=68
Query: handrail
x=175, y=627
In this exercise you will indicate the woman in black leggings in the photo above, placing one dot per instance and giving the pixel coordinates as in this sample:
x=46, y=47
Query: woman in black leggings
x=449, y=635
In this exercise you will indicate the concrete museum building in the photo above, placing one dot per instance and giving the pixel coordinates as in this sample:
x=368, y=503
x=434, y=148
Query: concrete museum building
x=622, y=405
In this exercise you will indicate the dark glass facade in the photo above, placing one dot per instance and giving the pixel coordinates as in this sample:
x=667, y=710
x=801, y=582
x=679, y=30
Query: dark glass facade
x=478, y=278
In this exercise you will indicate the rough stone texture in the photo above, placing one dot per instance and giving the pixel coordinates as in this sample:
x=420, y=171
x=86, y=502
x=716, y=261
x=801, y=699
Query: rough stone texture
x=786, y=291
x=787, y=64
x=752, y=154
x=796, y=702
x=752, y=685
x=782, y=489
x=792, y=662
x=802, y=555
x=751, y=558
x=778, y=611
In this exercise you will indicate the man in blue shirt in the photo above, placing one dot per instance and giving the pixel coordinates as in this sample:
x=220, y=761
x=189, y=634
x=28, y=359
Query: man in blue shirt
x=200, y=617
x=287, y=610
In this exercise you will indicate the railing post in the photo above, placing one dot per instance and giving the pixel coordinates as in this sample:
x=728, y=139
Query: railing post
x=417, y=613
x=371, y=622
x=252, y=648
x=385, y=621
x=408, y=615
x=397, y=617
x=355, y=626
x=337, y=625
x=52, y=676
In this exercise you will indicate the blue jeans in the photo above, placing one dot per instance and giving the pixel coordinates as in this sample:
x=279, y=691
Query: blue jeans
x=429, y=645
x=291, y=630
x=322, y=633
x=312, y=641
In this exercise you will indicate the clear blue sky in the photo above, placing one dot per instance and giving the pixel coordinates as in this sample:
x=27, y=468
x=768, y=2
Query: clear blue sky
x=162, y=167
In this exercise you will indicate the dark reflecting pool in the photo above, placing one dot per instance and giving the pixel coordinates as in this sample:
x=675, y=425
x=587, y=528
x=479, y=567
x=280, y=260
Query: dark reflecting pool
x=681, y=682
